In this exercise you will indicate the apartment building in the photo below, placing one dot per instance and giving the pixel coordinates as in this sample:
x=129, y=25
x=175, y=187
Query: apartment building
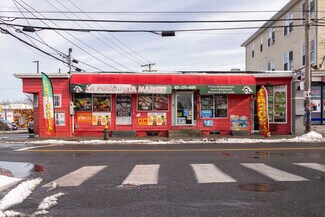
x=280, y=43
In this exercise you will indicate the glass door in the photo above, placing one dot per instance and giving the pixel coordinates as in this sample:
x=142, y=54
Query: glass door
x=184, y=108
x=123, y=109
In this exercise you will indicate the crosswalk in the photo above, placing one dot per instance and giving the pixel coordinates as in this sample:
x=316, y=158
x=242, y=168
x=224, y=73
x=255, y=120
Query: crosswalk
x=148, y=174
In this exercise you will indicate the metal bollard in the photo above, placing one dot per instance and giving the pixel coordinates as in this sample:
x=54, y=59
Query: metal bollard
x=106, y=132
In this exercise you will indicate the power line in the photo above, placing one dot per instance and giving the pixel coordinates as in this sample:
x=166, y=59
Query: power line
x=38, y=28
x=71, y=41
x=105, y=43
x=136, y=53
x=148, y=21
x=92, y=47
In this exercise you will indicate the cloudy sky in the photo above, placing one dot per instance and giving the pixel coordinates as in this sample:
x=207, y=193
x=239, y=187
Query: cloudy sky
x=206, y=50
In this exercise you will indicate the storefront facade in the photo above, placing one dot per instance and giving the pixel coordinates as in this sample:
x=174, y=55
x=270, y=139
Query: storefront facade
x=156, y=104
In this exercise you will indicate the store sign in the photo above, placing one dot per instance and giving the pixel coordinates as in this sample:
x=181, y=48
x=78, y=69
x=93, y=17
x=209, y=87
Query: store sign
x=142, y=121
x=227, y=89
x=184, y=87
x=262, y=112
x=121, y=88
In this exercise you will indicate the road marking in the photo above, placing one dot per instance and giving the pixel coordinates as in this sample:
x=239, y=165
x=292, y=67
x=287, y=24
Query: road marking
x=76, y=177
x=177, y=150
x=314, y=166
x=143, y=175
x=209, y=173
x=34, y=147
x=273, y=173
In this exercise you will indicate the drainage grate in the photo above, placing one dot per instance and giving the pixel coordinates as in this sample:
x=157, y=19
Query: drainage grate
x=262, y=187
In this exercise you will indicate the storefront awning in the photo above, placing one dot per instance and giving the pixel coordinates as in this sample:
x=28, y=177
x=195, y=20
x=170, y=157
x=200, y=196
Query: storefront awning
x=163, y=83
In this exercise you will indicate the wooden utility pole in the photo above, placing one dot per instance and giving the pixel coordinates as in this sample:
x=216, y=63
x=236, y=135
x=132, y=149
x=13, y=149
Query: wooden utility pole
x=307, y=68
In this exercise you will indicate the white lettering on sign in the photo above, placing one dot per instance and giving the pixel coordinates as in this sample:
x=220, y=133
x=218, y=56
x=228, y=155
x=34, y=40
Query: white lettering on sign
x=152, y=89
x=108, y=88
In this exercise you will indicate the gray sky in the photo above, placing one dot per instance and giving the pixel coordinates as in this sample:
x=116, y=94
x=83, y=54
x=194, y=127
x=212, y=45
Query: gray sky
x=210, y=50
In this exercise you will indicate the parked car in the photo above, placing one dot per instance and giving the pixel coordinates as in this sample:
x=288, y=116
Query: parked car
x=7, y=125
x=31, y=127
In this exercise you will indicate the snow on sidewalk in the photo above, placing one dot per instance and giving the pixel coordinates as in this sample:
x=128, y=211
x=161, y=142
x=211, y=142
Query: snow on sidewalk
x=309, y=137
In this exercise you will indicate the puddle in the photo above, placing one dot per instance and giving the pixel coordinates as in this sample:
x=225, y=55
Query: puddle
x=18, y=169
x=262, y=187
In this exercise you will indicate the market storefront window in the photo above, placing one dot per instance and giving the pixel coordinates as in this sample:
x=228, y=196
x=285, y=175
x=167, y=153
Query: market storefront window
x=83, y=102
x=152, y=102
x=214, y=106
x=277, y=103
x=102, y=103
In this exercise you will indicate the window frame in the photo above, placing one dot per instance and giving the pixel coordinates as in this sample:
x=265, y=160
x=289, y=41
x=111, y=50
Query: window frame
x=153, y=97
x=313, y=51
x=288, y=24
x=271, y=65
x=261, y=44
x=214, y=106
x=253, y=50
x=288, y=61
x=59, y=100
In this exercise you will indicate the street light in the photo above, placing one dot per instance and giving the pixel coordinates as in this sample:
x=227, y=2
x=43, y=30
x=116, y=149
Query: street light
x=37, y=65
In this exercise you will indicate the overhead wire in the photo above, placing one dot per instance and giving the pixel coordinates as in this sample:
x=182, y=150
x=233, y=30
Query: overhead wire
x=100, y=53
x=135, y=52
x=105, y=43
x=72, y=41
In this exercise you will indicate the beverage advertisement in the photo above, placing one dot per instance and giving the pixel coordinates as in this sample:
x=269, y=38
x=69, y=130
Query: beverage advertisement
x=157, y=119
x=101, y=118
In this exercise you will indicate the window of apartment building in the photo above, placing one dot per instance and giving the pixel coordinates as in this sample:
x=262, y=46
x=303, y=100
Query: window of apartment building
x=57, y=100
x=288, y=61
x=312, y=9
x=253, y=50
x=271, y=37
x=271, y=65
x=303, y=54
x=261, y=44
x=288, y=24
x=312, y=52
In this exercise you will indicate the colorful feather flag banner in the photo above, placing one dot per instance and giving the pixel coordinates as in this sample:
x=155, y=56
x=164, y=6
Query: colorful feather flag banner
x=48, y=105
x=262, y=112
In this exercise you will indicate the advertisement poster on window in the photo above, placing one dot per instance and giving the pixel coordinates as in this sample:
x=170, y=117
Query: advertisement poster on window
x=280, y=103
x=156, y=119
x=84, y=118
x=208, y=123
x=102, y=103
x=82, y=102
x=101, y=118
x=270, y=102
x=315, y=104
x=59, y=119
x=10, y=116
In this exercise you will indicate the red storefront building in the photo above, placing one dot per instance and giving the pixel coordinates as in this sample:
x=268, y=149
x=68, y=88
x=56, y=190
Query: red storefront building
x=158, y=104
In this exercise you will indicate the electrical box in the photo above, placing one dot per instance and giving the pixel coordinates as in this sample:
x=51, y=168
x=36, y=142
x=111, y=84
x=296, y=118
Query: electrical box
x=71, y=108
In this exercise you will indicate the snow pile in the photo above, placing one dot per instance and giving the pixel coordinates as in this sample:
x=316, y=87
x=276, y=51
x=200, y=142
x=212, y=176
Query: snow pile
x=310, y=137
x=19, y=194
x=10, y=213
x=47, y=204
x=6, y=182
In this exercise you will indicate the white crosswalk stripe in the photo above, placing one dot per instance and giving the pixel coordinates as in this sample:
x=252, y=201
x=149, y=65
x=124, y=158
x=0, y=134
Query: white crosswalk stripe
x=76, y=177
x=314, y=166
x=273, y=173
x=209, y=173
x=143, y=175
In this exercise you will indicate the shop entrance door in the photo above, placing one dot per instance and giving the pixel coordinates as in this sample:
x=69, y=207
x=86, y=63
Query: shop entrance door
x=123, y=109
x=184, y=111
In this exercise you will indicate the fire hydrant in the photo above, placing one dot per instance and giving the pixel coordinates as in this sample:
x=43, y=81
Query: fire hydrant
x=106, y=132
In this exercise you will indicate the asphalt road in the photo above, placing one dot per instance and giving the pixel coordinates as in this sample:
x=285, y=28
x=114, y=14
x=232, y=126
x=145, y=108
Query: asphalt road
x=177, y=191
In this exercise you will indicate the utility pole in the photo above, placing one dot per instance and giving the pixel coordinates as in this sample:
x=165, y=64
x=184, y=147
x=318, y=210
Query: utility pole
x=307, y=68
x=149, y=66
x=69, y=60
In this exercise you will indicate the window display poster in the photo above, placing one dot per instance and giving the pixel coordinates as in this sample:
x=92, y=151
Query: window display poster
x=234, y=120
x=84, y=118
x=181, y=120
x=123, y=106
x=102, y=103
x=270, y=102
x=157, y=119
x=82, y=102
x=280, y=103
x=315, y=104
x=161, y=102
x=206, y=113
x=145, y=102
x=208, y=123
x=101, y=118
x=59, y=119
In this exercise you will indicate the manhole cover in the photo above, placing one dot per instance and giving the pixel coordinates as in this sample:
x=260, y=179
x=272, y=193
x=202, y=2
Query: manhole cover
x=261, y=187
